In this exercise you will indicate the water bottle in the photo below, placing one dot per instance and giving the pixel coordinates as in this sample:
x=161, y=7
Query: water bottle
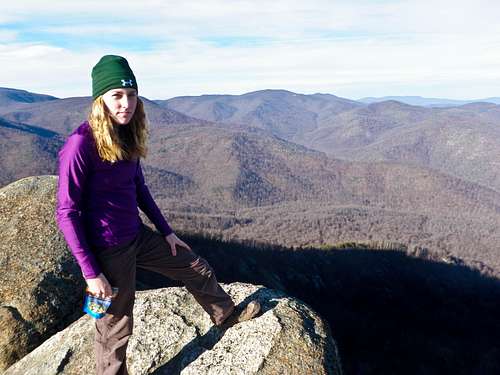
x=95, y=306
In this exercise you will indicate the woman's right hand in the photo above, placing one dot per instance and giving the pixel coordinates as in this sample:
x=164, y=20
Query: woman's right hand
x=99, y=286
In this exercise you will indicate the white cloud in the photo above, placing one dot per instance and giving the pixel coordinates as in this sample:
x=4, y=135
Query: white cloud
x=34, y=51
x=351, y=48
x=278, y=18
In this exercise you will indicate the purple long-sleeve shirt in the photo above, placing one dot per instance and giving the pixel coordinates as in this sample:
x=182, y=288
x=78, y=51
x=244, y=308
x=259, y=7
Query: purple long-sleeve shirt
x=97, y=201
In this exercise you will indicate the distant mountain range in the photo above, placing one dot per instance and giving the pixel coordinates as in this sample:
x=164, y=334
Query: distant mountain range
x=26, y=151
x=462, y=141
x=300, y=169
x=14, y=97
x=428, y=102
x=252, y=185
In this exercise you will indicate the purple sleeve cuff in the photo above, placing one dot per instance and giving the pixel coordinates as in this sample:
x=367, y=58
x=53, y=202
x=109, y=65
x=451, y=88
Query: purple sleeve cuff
x=147, y=204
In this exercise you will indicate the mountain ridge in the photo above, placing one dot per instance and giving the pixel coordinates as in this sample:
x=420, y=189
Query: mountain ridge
x=384, y=131
x=198, y=167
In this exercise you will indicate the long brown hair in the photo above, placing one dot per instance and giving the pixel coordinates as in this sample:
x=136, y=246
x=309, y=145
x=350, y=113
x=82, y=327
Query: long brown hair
x=118, y=142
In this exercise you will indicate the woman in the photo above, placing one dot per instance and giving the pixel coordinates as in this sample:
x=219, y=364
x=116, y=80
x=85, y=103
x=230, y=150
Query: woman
x=101, y=186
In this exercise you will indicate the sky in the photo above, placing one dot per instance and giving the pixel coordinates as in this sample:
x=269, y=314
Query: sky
x=353, y=48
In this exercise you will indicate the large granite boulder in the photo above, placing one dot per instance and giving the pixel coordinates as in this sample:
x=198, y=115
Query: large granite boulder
x=173, y=335
x=40, y=283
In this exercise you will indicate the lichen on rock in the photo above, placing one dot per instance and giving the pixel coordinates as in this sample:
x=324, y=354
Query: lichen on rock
x=40, y=281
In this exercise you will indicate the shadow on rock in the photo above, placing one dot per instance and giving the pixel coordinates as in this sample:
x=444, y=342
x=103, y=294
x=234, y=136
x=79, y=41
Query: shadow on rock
x=199, y=345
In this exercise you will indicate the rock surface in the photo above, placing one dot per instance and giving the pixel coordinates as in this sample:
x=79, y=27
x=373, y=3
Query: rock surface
x=40, y=281
x=173, y=335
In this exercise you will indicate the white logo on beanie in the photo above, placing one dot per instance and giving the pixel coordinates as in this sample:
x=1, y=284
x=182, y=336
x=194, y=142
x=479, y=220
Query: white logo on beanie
x=127, y=83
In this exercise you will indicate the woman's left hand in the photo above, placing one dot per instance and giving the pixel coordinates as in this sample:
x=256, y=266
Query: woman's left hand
x=173, y=240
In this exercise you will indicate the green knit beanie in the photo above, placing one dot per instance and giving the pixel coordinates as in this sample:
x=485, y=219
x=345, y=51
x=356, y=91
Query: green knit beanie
x=111, y=72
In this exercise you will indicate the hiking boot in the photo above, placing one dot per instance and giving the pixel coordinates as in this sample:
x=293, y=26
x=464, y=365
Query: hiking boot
x=249, y=312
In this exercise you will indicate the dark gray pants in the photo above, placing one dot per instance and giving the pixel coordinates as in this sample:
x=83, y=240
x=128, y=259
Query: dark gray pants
x=150, y=251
